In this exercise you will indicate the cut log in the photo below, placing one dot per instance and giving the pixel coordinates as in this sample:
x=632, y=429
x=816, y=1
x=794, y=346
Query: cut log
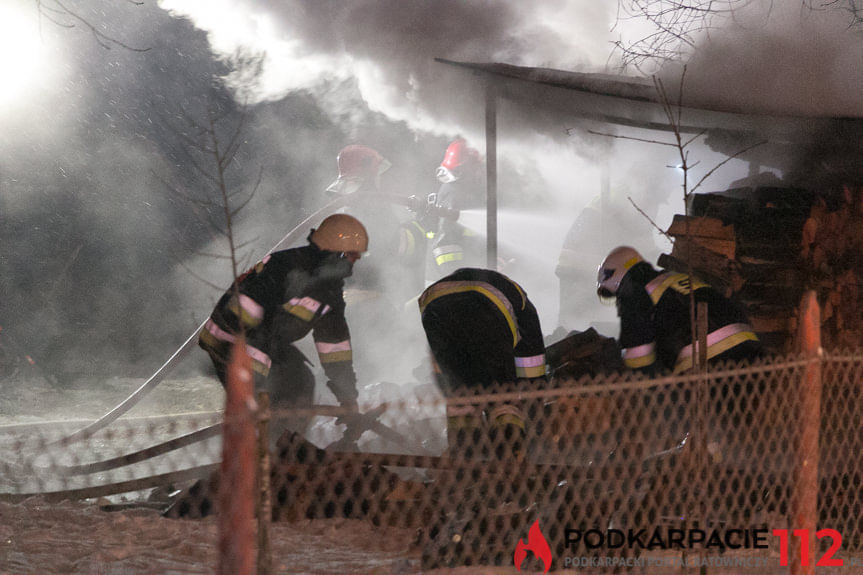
x=710, y=233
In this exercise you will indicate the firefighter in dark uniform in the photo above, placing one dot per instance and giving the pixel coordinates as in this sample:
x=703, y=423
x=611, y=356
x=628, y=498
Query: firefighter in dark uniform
x=281, y=299
x=482, y=329
x=653, y=307
x=453, y=245
x=360, y=170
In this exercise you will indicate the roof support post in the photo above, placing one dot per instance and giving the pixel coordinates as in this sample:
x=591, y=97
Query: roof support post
x=491, y=174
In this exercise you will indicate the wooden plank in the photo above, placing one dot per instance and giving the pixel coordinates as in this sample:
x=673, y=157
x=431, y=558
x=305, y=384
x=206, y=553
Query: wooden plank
x=674, y=264
x=701, y=227
x=717, y=269
x=770, y=324
x=726, y=249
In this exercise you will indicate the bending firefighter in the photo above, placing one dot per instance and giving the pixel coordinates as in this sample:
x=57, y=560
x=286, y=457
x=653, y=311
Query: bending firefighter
x=281, y=299
x=482, y=329
x=653, y=307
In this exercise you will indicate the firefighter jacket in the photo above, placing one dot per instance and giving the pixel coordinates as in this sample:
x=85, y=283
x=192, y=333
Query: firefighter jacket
x=414, y=236
x=655, y=330
x=523, y=335
x=281, y=299
x=454, y=246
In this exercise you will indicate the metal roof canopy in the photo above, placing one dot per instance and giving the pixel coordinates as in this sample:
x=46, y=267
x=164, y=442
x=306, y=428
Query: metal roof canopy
x=623, y=101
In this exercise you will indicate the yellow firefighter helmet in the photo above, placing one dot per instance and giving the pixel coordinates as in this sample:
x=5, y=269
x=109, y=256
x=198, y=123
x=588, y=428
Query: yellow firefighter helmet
x=341, y=233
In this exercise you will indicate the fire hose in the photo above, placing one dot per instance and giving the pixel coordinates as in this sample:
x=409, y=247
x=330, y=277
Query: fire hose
x=190, y=342
x=357, y=424
x=180, y=354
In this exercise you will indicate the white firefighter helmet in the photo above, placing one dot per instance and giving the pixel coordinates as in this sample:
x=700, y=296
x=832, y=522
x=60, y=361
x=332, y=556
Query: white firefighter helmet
x=457, y=158
x=357, y=164
x=341, y=233
x=613, y=268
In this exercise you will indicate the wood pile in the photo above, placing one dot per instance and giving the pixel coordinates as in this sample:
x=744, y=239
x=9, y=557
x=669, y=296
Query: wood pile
x=766, y=246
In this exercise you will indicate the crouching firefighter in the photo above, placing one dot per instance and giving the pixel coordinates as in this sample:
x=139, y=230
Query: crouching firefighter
x=281, y=299
x=482, y=329
x=653, y=307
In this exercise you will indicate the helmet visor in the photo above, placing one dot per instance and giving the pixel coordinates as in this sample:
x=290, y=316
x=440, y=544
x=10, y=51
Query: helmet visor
x=444, y=175
x=606, y=296
x=345, y=186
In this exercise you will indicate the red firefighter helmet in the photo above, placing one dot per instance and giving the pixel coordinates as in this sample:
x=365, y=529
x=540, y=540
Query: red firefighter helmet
x=357, y=164
x=457, y=158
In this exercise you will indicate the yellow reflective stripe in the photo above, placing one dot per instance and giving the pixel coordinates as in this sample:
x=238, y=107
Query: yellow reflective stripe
x=528, y=372
x=451, y=257
x=411, y=243
x=631, y=262
x=247, y=310
x=521, y=293
x=304, y=308
x=684, y=359
x=506, y=414
x=498, y=299
x=448, y=253
x=639, y=362
x=508, y=419
x=212, y=342
x=219, y=341
x=656, y=287
x=299, y=311
x=346, y=355
x=533, y=366
x=639, y=356
x=260, y=368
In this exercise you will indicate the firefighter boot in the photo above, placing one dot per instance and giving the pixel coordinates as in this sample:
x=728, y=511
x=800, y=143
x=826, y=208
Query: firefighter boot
x=507, y=431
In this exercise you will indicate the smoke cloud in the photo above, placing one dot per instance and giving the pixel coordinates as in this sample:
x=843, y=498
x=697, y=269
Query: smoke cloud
x=100, y=258
x=779, y=58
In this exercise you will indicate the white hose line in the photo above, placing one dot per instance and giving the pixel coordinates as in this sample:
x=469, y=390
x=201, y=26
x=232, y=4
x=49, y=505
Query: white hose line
x=190, y=343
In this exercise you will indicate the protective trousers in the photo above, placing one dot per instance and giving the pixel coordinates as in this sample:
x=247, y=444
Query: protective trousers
x=471, y=346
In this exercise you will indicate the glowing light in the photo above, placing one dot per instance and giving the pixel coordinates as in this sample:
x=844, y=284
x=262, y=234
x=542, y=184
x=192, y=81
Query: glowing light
x=21, y=53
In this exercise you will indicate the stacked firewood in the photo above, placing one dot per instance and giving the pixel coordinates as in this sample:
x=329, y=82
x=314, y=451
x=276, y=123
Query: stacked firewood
x=766, y=246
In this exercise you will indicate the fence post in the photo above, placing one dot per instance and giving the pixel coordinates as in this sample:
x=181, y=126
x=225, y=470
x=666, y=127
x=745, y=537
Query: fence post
x=265, y=511
x=805, y=510
x=237, y=472
x=702, y=392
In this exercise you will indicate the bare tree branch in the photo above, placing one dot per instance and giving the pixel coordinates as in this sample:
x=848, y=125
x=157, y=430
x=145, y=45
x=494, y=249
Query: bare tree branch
x=725, y=161
x=54, y=13
x=604, y=134
x=649, y=219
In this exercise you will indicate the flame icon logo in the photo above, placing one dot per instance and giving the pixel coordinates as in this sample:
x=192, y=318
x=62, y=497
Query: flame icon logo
x=535, y=542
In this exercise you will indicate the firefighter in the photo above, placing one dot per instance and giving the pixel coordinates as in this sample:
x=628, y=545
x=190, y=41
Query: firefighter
x=281, y=299
x=455, y=246
x=360, y=170
x=594, y=232
x=653, y=307
x=482, y=329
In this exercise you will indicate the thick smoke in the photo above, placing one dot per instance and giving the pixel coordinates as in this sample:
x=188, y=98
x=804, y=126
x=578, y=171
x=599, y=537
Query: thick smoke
x=98, y=251
x=388, y=48
x=785, y=61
